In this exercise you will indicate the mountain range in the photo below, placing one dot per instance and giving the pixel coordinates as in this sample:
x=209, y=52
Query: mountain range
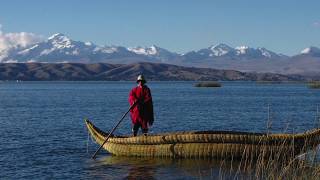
x=61, y=49
x=128, y=72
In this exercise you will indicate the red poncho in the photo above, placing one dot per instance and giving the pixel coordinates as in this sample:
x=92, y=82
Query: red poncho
x=142, y=113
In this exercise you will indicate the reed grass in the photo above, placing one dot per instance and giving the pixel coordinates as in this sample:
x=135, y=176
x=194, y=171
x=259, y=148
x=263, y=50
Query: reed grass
x=314, y=84
x=287, y=161
x=280, y=164
x=208, y=84
x=280, y=82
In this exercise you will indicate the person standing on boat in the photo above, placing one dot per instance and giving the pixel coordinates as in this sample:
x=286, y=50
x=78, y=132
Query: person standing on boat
x=142, y=114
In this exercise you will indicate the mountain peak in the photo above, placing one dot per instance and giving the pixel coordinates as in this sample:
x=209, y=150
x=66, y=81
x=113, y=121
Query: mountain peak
x=56, y=36
x=241, y=50
x=88, y=43
x=152, y=50
x=220, y=49
x=221, y=45
x=60, y=41
x=267, y=53
x=154, y=46
x=242, y=47
x=310, y=50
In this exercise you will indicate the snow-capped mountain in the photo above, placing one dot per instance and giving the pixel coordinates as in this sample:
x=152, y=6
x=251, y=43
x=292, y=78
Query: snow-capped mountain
x=149, y=51
x=227, y=52
x=60, y=48
x=56, y=47
x=256, y=53
x=311, y=51
x=220, y=50
x=154, y=52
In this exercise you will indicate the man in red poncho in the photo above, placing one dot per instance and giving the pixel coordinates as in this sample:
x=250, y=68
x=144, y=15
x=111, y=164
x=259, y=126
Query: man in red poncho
x=142, y=113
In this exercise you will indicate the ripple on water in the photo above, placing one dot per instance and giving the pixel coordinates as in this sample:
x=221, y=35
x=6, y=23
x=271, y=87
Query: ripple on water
x=43, y=135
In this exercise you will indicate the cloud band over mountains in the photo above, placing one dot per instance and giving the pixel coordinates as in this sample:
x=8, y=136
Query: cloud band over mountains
x=17, y=39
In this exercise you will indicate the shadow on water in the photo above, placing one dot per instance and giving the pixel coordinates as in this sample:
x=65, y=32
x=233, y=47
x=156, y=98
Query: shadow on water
x=115, y=167
x=131, y=168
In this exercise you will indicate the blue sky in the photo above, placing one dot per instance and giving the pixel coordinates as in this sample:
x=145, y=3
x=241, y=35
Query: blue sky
x=285, y=26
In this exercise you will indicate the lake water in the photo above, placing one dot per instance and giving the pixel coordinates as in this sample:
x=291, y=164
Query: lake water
x=43, y=135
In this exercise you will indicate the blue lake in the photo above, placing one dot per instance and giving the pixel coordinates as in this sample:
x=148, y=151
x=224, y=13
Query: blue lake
x=43, y=135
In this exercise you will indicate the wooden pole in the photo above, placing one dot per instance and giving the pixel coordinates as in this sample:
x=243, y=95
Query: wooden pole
x=113, y=129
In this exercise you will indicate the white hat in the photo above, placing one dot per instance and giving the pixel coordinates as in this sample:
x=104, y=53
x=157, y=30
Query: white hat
x=141, y=78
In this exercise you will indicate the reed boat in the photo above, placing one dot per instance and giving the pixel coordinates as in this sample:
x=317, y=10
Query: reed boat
x=207, y=144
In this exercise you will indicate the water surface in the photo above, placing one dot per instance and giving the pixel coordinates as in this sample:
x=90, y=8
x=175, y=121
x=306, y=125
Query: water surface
x=43, y=133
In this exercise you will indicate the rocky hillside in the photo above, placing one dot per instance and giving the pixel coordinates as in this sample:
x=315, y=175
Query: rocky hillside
x=117, y=72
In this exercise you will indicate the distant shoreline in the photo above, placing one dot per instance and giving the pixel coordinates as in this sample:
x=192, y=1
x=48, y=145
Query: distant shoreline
x=155, y=81
x=128, y=72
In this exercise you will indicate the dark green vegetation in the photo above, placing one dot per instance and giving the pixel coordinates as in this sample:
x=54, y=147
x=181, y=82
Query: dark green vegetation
x=314, y=85
x=208, y=84
x=128, y=72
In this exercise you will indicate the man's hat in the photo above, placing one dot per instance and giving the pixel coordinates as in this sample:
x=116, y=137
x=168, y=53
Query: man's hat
x=141, y=78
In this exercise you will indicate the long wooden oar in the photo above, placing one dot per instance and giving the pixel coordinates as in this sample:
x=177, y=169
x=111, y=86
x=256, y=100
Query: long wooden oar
x=114, y=128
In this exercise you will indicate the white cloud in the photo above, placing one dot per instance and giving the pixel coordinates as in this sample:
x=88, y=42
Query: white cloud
x=18, y=39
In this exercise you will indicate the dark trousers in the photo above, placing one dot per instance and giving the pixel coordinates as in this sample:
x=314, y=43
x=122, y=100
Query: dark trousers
x=136, y=127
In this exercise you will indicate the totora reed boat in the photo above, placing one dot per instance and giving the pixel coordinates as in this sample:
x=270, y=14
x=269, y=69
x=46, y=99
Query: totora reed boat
x=208, y=144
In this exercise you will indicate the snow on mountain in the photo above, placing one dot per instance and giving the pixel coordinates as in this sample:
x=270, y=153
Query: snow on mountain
x=242, y=50
x=220, y=50
x=256, y=53
x=61, y=48
x=266, y=52
x=149, y=51
x=154, y=52
x=11, y=42
x=225, y=51
x=105, y=49
x=56, y=48
x=306, y=51
x=313, y=51
x=60, y=41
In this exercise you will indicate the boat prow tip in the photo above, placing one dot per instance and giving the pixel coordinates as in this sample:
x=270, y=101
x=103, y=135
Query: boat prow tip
x=87, y=121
